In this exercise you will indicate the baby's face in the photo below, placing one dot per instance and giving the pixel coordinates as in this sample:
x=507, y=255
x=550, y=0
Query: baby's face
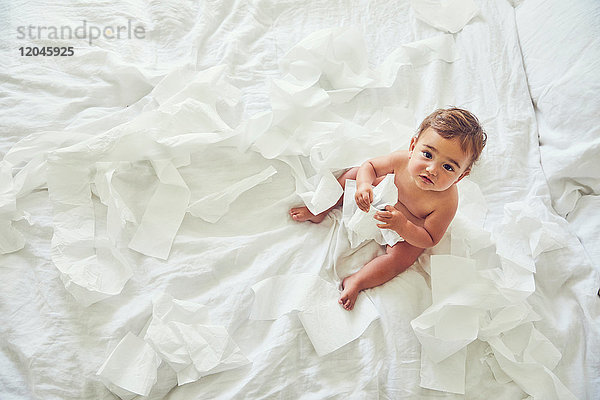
x=436, y=163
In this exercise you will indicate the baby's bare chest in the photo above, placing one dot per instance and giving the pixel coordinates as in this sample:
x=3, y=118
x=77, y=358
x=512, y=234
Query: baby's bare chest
x=415, y=205
x=415, y=213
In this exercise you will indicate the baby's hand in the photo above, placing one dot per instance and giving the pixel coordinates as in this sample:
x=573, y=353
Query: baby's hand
x=364, y=197
x=392, y=219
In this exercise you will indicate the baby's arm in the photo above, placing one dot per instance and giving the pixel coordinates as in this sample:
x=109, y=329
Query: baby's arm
x=425, y=236
x=368, y=172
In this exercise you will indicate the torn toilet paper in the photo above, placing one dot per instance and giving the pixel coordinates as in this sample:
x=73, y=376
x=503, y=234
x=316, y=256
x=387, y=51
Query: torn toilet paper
x=212, y=207
x=484, y=298
x=330, y=327
x=91, y=268
x=130, y=369
x=327, y=324
x=446, y=15
x=179, y=333
x=183, y=336
x=361, y=225
x=160, y=223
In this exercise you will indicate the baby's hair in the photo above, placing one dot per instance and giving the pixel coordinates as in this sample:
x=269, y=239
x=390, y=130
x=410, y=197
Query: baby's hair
x=458, y=123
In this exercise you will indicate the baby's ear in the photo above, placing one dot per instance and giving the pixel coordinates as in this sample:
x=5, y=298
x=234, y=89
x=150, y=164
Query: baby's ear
x=467, y=172
x=411, y=147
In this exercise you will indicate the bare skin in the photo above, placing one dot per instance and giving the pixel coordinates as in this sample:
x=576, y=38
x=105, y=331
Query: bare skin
x=301, y=214
x=425, y=176
x=397, y=259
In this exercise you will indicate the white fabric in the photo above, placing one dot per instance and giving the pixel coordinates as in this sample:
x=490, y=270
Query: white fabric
x=561, y=53
x=560, y=43
x=220, y=92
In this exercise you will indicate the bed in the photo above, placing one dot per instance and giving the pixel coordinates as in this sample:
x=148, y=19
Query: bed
x=151, y=154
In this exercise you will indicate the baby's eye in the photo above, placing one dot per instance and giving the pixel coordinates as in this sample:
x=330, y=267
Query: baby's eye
x=448, y=167
x=427, y=154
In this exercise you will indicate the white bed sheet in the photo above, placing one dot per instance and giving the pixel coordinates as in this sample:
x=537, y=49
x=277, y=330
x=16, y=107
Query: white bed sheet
x=561, y=52
x=52, y=345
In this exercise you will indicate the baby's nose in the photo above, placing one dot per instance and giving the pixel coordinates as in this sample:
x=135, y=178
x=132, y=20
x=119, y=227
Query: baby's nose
x=431, y=169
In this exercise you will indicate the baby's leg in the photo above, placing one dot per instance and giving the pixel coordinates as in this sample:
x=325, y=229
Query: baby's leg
x=301, y=214
x=378, y=271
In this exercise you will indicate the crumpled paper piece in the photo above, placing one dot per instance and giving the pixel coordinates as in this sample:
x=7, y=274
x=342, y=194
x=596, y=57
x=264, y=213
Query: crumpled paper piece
x=327, y=324
x=7, y=194
x=70, y=163
x=131, y=368
x=164, y=213
x=91, y=268
x=449, y=325
x=327, y=68
x=326, y=193
x=329, y=327
x=527, y=231
x=470, y=217
x=179, y=333
x=529, y=363
x=362, y=225
x=446, y=15
x=31, y=152
x=447, y=375
x=185, y=112
x=483, y=297
x=212, y=207
x=461, y=300
x=118, y=212
x=338, y=58
x=11, y=240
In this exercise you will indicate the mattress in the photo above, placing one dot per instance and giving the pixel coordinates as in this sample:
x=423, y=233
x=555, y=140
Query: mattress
x=146, y=179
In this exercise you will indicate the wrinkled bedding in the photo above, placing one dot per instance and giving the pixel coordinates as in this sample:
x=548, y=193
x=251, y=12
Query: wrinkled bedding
x=145, y=184
x=564, y=82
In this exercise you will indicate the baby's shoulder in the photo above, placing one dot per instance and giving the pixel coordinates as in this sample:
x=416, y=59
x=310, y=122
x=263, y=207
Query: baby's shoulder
x=400, y=154
x=399, y=158
x=447, y=200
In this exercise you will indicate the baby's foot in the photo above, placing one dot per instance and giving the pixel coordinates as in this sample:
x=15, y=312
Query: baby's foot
x=301, y=214
x=349, y=293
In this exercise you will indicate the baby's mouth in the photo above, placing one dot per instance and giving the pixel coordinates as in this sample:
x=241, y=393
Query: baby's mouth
x=426, y=179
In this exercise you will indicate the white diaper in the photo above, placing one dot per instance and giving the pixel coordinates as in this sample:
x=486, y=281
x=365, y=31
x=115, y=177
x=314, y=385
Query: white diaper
x=361, y=225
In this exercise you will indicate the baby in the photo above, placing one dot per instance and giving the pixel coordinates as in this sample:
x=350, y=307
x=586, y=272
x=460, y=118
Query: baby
x=442, y=152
